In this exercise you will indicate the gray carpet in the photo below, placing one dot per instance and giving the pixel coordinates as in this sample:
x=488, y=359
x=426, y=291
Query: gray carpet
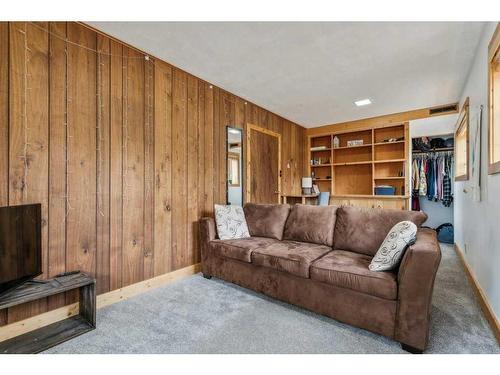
x=196, y=315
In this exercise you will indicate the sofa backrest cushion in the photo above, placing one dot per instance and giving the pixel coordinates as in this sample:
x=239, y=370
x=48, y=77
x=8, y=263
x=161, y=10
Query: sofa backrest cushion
x=266, y=220
x=314, y=224
x=363, y=230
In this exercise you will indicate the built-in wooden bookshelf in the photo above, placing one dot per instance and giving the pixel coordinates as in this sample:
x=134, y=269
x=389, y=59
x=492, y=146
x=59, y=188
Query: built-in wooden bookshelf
x=355, y=170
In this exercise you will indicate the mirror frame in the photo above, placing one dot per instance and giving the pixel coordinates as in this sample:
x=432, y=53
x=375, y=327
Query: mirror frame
x=242, y=168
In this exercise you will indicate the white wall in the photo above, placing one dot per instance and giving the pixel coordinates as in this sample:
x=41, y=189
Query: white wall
x=427, y=127
x=430, y=126
x=477, y=225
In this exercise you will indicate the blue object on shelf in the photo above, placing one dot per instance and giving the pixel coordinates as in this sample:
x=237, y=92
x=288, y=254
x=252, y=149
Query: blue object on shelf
x=385, y=190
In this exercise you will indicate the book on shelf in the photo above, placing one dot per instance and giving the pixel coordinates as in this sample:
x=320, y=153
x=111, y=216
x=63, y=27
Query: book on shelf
x=355, y=142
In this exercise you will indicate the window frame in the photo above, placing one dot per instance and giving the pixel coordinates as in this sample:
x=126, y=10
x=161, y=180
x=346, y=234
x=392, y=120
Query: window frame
x=493, y=50
x=463, y=125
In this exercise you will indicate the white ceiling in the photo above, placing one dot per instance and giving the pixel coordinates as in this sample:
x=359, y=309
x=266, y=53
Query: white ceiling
x=311, y=73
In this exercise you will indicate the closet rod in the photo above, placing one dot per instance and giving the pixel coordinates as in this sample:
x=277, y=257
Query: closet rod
x=450, y=152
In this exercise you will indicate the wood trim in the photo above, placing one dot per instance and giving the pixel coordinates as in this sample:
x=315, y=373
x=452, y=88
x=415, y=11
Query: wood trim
x=488, y=312
x=248, y=182
x=377, y=122
x=463, y=121
x=493, y=50
x=106, y=299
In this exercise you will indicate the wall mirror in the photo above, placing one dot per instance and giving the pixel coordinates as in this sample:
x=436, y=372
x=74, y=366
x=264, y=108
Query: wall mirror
x=234, y=162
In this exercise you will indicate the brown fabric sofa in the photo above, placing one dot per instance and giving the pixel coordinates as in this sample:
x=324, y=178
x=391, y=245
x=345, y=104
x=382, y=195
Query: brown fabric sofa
x=317, y=257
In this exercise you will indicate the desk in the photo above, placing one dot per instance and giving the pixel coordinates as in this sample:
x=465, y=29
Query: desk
x=302, y=197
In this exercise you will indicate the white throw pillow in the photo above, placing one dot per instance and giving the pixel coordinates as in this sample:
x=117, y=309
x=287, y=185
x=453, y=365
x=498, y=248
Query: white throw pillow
x=230, y=222
x=391, y=251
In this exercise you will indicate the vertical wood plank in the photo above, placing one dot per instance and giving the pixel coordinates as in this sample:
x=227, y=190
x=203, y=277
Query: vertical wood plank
x=4, y=126
x=57, y=156
x=239, y=113
x=275, y=123
x=163, y=169
x=103, y=165
x=252, y=114
x=286, y=158
x=209, y=150
x=116, y=166
x=149, y=199
x=133, y=169
x=4, y=113
x=295, y=158
x=81, y=152
x=303, y=146
x=263, y=119
x=227, y=118
x=201, y=161
x=29, y=129
x=179, y=163
x=192, y=170
x=217, y=148
x=240, y=122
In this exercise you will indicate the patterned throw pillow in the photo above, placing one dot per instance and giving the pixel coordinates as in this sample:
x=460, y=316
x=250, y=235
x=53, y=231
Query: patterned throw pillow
x=230, y=222
x=390, y=253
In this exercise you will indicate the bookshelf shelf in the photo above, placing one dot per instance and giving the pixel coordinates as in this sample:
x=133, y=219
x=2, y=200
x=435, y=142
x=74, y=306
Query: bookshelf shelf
x=353, y=163
x=388, y=143
x=322, y=150
x=350, y=147
x=389, y=161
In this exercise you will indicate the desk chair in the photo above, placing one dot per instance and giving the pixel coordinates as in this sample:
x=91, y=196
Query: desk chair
x=324, y=198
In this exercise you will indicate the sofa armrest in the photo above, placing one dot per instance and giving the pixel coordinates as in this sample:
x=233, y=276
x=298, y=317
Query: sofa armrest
x=207, y=233
x=415, y=285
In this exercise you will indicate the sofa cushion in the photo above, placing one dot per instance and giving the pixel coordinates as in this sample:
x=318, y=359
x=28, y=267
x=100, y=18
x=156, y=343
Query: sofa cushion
x=307, y=223
x=289, y=256
x=350, y=270
x=391, y=251
x=239, y=249
x=230, y=222
x=363, y=230
x=266, y=220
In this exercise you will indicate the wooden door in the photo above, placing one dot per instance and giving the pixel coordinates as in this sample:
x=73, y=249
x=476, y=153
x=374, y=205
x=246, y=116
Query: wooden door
x=263, y=165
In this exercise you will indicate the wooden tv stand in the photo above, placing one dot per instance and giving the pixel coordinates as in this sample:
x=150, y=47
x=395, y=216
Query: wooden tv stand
x=46, y=337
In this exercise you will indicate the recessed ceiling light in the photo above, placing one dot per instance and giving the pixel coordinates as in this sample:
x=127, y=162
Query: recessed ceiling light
x=362, y=102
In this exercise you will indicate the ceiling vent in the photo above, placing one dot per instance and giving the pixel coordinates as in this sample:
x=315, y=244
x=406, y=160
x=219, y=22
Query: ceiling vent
x=451, y=108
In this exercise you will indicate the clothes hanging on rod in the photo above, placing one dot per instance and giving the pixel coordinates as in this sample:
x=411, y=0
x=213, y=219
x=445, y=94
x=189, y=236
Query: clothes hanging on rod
x=432, y=176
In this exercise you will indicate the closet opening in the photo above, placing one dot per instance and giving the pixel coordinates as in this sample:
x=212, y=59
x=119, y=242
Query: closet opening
x=432, y=181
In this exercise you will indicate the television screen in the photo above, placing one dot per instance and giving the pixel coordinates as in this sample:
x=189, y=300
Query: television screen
x=20, y=245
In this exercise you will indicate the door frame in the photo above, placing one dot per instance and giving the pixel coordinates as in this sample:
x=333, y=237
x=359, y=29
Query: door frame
x=260, y=129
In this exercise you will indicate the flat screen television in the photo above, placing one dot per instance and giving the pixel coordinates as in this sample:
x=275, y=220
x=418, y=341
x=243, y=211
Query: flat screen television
x=20, y=245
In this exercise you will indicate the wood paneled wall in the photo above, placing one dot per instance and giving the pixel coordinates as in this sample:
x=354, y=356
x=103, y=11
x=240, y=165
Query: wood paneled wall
x=124, y=153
